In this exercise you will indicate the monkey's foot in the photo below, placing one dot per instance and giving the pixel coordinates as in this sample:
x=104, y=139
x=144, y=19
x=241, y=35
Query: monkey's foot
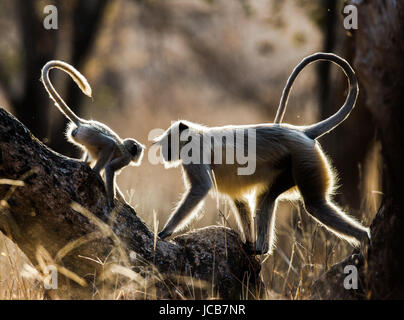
x=164, y=234
x=262, y=247
x=366, y=245
x=251, y=248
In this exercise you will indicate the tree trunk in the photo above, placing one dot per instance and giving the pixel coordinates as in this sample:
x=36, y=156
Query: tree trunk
x=379, y=64
x=346, y=139
x=59, y=217
x=379, y=50
x=86, y=17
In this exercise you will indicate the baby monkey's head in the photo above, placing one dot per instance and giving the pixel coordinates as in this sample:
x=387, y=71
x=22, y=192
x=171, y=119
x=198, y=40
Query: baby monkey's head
x=135, y=150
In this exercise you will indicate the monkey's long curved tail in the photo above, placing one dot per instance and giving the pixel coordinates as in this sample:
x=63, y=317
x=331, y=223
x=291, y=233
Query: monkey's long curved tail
x=80, y=80
x=319, y=129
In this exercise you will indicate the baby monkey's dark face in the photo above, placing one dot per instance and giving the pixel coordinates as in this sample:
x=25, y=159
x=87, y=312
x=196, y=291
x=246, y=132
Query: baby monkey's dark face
x=135, y=149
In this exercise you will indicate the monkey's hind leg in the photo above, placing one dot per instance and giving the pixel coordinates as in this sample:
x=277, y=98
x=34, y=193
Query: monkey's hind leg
x=265, y=216
x=105, y=155
x=85, y=157
x=244, y=219
x=265, y=223
x=314, y=180
x=337, y=221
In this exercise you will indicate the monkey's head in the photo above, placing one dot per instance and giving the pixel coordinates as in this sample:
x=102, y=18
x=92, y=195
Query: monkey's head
x=174, y=139
x=135, y=150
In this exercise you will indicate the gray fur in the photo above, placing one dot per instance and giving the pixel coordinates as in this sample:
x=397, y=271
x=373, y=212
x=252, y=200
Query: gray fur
x=288, y=158
x=319, y=129
x=99, y=143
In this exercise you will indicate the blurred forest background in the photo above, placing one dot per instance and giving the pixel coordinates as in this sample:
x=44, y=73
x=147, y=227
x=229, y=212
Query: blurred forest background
x=215, y=62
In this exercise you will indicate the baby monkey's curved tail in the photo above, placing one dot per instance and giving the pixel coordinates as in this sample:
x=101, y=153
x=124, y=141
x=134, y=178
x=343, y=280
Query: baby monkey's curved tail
x=80, y=80
x=319, y=129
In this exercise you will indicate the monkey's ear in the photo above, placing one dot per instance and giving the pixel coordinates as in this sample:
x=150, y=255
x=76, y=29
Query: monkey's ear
x=182, y=126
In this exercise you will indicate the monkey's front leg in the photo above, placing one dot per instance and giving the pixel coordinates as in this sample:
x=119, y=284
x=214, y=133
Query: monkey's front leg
x=200, y=180
x=110, y=169
x=265, y=223
x=107, y=146
x=184, y=212
x=244, y=218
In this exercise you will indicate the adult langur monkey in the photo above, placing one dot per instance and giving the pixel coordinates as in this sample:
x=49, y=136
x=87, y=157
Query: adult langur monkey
x=288, y=158
x=100, y=144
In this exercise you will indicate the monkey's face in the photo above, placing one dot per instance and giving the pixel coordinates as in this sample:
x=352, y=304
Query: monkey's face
x=171, y=144
x=135, y=150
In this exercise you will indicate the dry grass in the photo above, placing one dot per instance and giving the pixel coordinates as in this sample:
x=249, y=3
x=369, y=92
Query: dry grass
x=12, y=284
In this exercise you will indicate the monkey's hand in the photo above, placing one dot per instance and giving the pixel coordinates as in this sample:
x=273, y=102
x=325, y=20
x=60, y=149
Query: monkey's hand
x=164, y=234
x=111, y=203
x=250, y=248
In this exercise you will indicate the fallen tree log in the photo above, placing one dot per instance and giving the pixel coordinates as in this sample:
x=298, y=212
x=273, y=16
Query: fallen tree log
x=54, y=208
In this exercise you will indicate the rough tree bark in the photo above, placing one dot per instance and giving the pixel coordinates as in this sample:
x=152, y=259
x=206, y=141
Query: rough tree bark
x=332, y=91
x=356, y=143
x=47, y=212
x=379, y=64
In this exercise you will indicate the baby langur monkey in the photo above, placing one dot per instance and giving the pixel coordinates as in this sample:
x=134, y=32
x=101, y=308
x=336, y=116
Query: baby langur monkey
x=100, y=144
x=288, y=158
